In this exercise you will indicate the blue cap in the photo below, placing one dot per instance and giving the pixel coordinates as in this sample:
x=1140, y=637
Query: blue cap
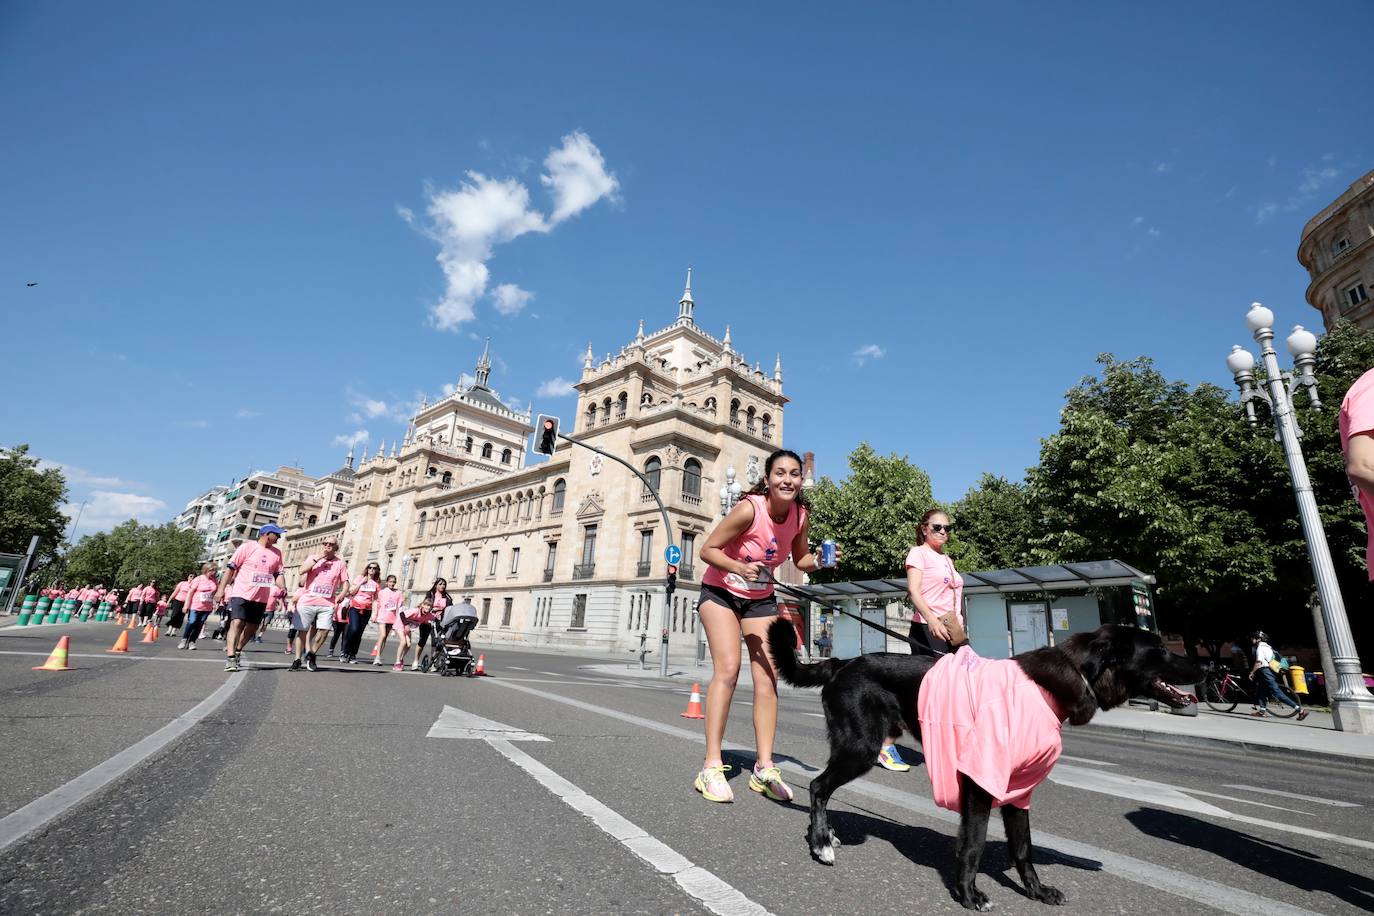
x=271, y=529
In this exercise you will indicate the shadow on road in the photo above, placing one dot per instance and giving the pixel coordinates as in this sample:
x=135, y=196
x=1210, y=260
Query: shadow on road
x=1295, y=867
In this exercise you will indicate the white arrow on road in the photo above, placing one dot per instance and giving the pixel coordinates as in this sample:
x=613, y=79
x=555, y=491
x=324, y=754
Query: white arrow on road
x=713, y=893
x=454, y=723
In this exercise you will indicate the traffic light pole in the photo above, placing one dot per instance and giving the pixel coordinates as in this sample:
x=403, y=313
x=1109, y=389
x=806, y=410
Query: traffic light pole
x=670, y=584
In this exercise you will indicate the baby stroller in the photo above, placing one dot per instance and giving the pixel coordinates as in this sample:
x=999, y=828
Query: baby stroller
x=451, y=653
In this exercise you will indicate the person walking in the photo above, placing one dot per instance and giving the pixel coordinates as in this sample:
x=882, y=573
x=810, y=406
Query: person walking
x=133, y=601
x=255, y=567
x=439, y=601
x=360, y=598
x=411, y=621
x=147, y=602
x=176, y=610
x=760, y=533
x=1266, y=686
x=323, y=579
x=200, y=604
x=389, y=601
x=1356, y=425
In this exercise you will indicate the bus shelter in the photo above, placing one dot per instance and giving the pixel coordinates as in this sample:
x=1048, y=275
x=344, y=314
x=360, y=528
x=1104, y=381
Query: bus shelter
x=1008, y=610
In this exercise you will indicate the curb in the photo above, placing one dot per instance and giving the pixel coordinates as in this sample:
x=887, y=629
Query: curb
x=1202, y=742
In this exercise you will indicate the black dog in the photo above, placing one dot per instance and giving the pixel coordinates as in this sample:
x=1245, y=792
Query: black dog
x=869, y=698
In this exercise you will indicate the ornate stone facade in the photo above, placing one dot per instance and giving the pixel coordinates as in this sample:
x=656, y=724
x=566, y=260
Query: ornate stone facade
x=568, y=551
x=1337, y=248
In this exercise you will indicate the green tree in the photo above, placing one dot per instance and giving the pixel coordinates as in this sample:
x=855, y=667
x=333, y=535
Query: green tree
x=30, y=504
x=994, y=523
x=872, y=514
x=132, y=553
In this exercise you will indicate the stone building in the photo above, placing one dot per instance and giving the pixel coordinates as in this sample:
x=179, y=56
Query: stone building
x=1337, y=248
x=567, y=551
x=202, y=515
x=253, y=502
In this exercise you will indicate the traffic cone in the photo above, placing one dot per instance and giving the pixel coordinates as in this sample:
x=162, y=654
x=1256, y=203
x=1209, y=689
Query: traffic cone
x=149, y=634
x=133, y=621
x=58, y=660
x=694, y=704
x=374, y=651
x=121, y=644
x=479, y=671
x=119, y=620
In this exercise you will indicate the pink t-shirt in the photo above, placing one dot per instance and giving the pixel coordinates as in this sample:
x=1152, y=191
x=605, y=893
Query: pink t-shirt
x=255, y=570
x=942, y=588
x=365, y=592
x=202, y=594
x=388, y=603
x=991, y=722
x=766, y=542
x=1357, y=416
x=179, y=593
x=322, y=583
x=150, y=594
x=135, y=594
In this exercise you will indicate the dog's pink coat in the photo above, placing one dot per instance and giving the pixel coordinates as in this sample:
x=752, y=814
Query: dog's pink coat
x=988, y=720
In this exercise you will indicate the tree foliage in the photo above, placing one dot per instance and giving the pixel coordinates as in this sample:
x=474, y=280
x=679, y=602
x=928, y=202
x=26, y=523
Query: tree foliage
x=30, y=504
x=994, y=523
x=873, y=514
x=132, y=554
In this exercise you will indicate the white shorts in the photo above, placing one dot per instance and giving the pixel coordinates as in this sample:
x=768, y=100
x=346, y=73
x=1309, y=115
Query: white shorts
x=319, y=616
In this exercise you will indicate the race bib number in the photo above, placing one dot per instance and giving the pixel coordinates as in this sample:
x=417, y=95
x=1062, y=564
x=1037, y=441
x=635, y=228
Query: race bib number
x=744, y=584
x=262, y=578
x=325, y=590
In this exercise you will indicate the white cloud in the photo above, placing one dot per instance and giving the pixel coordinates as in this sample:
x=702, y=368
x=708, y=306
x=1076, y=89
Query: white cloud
x=366, y=406
x=244, y=413
x=555, y=388
x=448, y=388
x=867, y=352
x=1264, y=212
x=196, y=424
x=80, y=477
x=1152, y=232
x=358, y=437
x=468, y=224
x=1313, y=179
x=1163, y=168
x=1137, y=221
x=577, y=176
x=509, y=299
x=106, y=508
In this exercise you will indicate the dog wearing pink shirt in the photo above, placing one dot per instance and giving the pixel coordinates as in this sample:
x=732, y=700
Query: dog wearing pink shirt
x=989, y=729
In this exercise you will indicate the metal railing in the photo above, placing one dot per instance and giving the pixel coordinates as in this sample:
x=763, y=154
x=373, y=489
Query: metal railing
x=584, y=570
x=548, y=575
x=642, y=569
x=687, y=572
x=469, y=581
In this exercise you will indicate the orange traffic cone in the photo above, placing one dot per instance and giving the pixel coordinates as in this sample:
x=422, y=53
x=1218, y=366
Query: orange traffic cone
x=694, y=704
x=58, y=660
x=374, y=650
x=133, y=621
x=121, y=644
x=479, y=671
x=149, y=634
x=119, y=620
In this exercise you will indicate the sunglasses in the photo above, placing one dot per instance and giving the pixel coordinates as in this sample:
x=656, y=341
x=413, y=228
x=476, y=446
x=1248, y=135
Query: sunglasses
x=942, y=529
x=335, y=546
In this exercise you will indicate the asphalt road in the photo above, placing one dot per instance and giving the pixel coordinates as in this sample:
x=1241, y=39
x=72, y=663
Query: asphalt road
x=323, y=792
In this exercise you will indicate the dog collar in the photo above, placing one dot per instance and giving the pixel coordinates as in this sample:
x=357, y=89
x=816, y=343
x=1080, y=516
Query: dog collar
x=1092, y=693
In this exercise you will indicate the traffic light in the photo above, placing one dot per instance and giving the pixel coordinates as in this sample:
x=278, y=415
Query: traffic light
x=545, y=434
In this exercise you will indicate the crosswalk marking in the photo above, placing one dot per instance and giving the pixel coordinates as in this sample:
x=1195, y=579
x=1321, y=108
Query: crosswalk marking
x=1307, y=798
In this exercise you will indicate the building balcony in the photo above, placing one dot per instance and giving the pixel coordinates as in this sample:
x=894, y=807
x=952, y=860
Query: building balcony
x=584, y=570
x=647, y=496
x=548, y=575
x=469, y=581
x=687, y=572
x=691, y=499
x=642, y=570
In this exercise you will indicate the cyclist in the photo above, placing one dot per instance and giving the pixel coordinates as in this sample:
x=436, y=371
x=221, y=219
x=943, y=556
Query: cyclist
x=1266, y=686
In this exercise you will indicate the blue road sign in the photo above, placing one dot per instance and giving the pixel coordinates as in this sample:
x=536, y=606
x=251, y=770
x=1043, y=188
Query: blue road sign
x=672, y=554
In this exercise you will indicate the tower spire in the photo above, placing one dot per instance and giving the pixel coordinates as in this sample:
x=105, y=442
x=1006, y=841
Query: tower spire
x=588, y=359
x=349, y=460
x=777, y=370
x=484, y=366
x=685, y=304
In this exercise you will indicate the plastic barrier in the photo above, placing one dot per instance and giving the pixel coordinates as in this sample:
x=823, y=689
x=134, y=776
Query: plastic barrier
x=26, y=612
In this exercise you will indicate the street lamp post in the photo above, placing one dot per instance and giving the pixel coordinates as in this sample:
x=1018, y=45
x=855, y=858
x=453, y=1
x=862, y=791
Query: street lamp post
x=1352, y=705
x=730, y=493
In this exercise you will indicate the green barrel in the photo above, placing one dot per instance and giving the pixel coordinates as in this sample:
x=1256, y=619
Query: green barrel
x=26, y=612
x=65, y=614
x=102, y=613
x=85, y=610
x=44, y=606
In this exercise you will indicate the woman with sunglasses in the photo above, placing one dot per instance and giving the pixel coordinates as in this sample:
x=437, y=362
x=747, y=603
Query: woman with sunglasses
x=361, y=596
x=935, y=589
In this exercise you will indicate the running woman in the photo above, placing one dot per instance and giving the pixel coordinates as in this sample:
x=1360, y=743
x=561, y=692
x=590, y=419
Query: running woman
x=254, y=569
x=761, y=532
x=324, y=577
x=388, y=616
x=361, y=596
x=423, y=616
x=200, y=604
x=177, y=609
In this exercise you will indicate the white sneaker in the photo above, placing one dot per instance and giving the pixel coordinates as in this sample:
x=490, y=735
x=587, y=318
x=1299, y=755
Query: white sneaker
x=415, y=666
x=182, y=644
x=192, y=647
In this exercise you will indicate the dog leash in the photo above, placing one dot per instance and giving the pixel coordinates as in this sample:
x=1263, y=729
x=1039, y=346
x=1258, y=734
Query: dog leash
x=835, y=609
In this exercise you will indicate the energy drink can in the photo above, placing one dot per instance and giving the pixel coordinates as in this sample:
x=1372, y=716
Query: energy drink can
x=828, y=558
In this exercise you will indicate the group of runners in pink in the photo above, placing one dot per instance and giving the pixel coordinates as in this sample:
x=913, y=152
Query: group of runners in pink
x=327, y=604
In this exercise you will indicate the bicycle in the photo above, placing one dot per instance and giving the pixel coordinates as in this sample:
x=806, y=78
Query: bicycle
x=1223, y=691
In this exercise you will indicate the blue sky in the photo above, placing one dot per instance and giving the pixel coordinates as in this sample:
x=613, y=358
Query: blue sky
x=214, y=200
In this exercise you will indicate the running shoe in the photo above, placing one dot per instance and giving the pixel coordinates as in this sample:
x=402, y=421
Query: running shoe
x=713, y=785
x=769, y=782
x=398, y=667
x=414, y=666
x=295, y=665
x=182, y=644
x=310, y=662
x=376, y=663
x=231, y=663
x=192, y=647
x=353, y=659
x=1302, y=714
x=889, y=759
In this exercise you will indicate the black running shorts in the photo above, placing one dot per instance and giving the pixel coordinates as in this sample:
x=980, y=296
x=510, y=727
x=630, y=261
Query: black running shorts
x=744, y=608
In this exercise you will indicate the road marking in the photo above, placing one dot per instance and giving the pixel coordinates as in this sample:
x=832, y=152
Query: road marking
x=457, y=724
x=1096, y=763
x=216, y=658
x=815, y=715
x=698, y=883
x=1309, y=798
x=1148, y=874
x=37, y=813
x=515, y=668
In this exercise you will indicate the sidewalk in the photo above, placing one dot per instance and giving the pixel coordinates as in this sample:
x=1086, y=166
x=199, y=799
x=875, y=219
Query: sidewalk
x=1314, y=738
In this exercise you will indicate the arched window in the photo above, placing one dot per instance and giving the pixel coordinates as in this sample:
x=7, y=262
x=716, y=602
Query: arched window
x=621, y=405
x=646, y=399
x=734, y=413
x=560, y=492
x=314, y=519
x=749, y=421
x=432, y=472
x=486, y=449
x=591, y=415
x=691, y=478
x=420, y=525
x=606, y=411
x=338, y=497
x=768, y=427
x=467, y=445
x=505, y=456
x=652, y=469
x=447, y=478
x=711, y=406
